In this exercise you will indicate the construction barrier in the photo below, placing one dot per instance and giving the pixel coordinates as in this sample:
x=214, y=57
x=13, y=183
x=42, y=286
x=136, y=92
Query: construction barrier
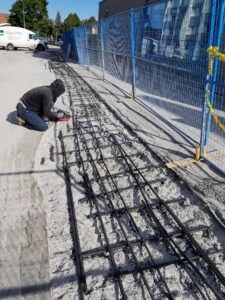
x=159, y=52
x=69, y=44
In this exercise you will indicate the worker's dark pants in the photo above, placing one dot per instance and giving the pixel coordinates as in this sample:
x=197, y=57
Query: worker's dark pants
x=33, y=121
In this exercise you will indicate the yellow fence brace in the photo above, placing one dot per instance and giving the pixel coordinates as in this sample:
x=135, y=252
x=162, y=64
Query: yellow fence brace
x=214, y=53
x=216, y=119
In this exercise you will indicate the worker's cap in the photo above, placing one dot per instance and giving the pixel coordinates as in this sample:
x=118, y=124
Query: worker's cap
x=58, y=87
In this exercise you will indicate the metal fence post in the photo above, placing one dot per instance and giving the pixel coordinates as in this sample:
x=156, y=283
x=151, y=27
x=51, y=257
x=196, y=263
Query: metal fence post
x=132, y=38
x=102, y=50
x=204, y=104
x=75, y=45
x=215, y=70
x=86, y=46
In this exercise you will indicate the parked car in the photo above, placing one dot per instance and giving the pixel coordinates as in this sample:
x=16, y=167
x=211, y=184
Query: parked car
x=12, y=38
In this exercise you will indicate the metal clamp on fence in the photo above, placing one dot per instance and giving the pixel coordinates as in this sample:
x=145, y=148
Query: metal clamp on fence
x=214, y=53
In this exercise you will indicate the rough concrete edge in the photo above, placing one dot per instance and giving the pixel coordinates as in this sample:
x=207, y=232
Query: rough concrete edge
x=46, y=202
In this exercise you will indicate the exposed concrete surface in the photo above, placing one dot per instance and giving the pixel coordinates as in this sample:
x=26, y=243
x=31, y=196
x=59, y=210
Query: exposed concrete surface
x=24, y=266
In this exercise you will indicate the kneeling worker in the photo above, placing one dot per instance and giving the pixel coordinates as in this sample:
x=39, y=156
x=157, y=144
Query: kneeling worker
x=35, y=106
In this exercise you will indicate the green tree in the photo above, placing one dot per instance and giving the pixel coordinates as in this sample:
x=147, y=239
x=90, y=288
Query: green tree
x=71, y=21
x=46, y=27
x=58, y=22
x=91, y=20
x=58, y=25
x=32, y=14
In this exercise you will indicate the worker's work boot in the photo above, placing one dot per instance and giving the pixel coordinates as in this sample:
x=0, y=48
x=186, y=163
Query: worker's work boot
x=21, y=122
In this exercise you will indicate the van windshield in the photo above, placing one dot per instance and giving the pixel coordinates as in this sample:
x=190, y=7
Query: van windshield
x=37, y=37
x=34, y=36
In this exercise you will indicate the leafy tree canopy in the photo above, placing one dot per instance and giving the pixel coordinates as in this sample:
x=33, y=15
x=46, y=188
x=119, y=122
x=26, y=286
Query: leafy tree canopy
x=71, y=21
x=58, y=22
x=33, y=12
x=89, y=21
x=34, y=15
x=58, y=26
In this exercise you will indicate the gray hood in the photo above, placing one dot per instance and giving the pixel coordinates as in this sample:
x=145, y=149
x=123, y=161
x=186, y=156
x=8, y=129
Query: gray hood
x=57, y=88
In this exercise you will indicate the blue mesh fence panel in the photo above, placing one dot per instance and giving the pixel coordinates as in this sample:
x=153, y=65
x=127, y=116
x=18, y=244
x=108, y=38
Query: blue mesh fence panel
x=215, y=137
x=81, y=43
x=93, y=37
x=69, y=41
x=117, y=47
x=171, y=39
x=168, y=50
x=65, y=40
x=73, y=45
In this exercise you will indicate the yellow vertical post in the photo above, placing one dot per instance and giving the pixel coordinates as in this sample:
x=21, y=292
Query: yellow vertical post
x=197, y=154
x=204, y=151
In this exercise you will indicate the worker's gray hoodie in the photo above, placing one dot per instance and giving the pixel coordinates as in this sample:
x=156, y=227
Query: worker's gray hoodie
x=41, y=99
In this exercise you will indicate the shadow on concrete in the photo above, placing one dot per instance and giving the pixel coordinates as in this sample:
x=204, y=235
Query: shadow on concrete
x=45, y=54
x=34, y=289
x=12, y=118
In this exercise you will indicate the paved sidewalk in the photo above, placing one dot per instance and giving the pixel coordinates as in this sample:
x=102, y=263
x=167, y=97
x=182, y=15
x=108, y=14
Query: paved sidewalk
x=24, y=266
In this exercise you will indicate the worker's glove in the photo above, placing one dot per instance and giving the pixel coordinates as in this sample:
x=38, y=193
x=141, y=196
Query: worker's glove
x=60, y=114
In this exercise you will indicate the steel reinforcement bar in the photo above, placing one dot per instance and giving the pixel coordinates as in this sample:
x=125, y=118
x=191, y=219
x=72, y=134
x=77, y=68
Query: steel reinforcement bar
x=168, y=239
x=132, y=169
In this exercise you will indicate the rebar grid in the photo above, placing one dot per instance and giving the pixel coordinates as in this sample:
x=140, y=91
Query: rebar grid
x=87, y=105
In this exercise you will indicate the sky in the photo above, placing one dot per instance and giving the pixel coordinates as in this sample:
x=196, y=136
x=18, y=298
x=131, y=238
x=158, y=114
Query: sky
x=84, y=8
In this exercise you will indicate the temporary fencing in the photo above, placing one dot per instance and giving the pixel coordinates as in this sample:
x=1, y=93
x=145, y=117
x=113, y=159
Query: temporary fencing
x=81, y=42
x=213, y=133
x=93, y=45
x=69, y=44
x=171, y=61
x=160, y=53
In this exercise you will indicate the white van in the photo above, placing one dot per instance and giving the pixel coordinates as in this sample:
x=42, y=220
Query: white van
x=15, y=37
